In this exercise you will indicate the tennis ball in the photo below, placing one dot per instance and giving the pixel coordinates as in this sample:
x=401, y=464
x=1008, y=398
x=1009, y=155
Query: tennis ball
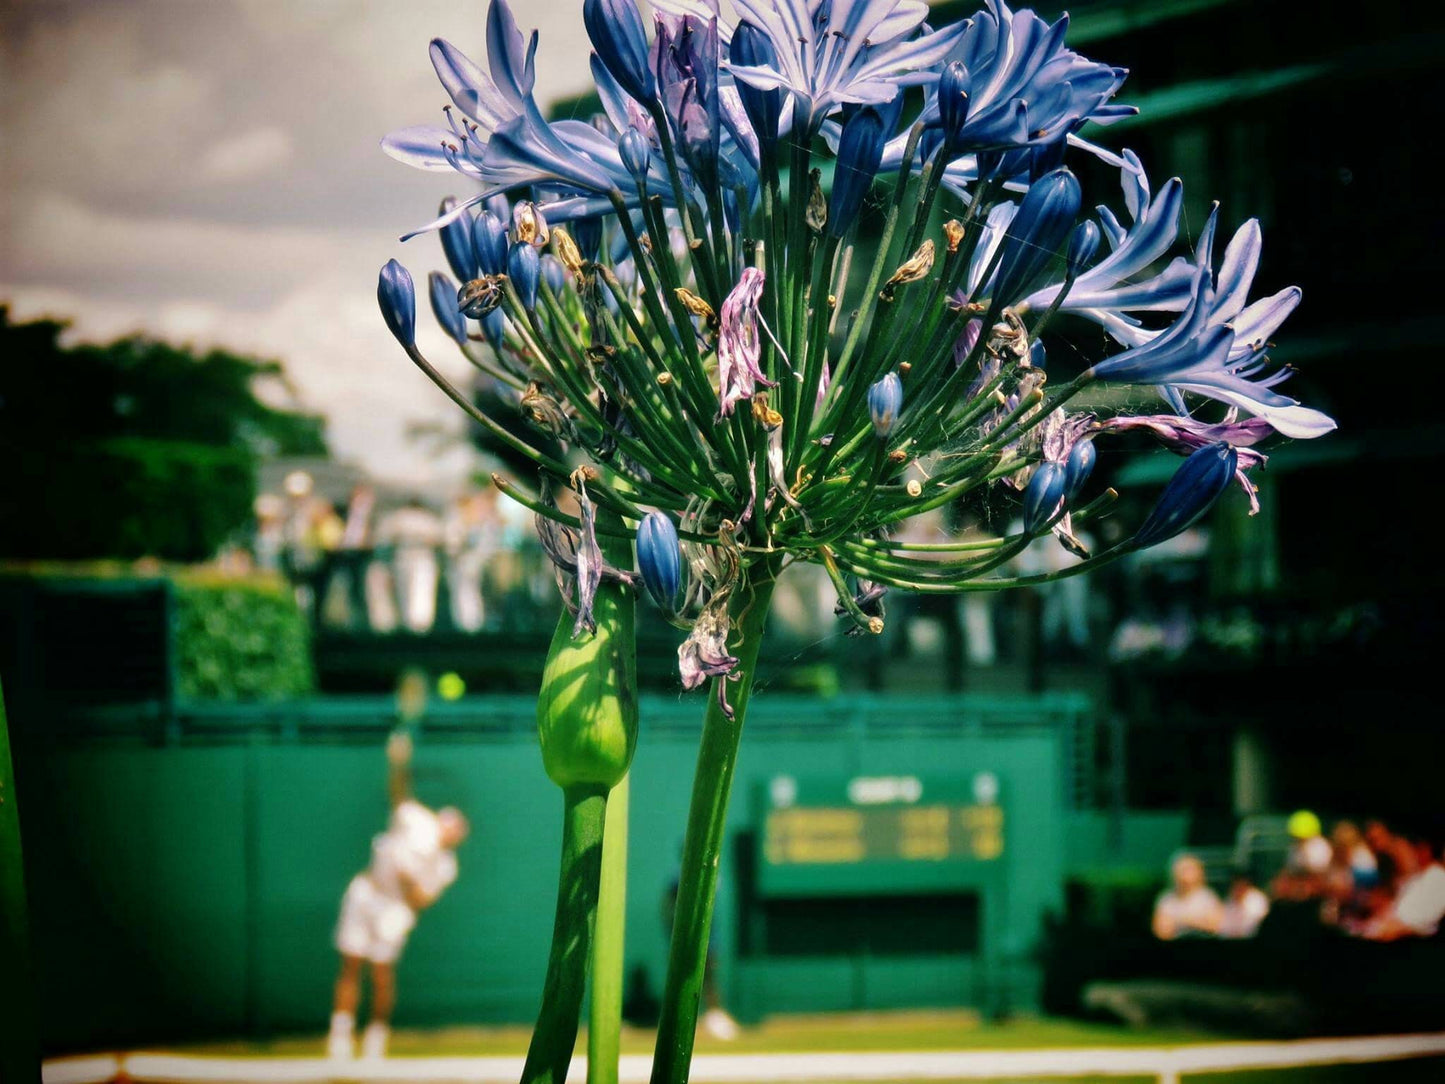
x=450, y=686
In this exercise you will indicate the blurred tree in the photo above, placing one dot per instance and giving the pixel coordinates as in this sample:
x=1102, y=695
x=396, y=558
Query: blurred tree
x=135, y=448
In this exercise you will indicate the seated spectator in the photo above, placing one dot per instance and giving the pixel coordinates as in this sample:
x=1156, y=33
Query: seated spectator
x=1419, y=903
x=1244, y=908
x=1355, y=854
x=1190, y=908
x=1308, y=861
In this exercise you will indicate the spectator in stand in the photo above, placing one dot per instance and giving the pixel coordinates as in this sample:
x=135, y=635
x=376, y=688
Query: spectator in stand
x=1190, y=908
x=1419, y=903
x=470, y=542
x=416, y=532
x=1244, y=908
x=1308, y=861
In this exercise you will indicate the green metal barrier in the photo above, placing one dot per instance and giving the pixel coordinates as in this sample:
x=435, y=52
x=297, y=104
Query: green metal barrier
x=185, y=877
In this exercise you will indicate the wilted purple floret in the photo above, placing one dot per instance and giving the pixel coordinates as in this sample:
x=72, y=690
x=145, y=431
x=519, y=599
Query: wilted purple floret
x=739, y=345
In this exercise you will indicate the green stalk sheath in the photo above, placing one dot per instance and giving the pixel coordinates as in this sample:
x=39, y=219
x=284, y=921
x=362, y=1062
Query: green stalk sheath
x=702, y=845
x=19, y=1048
x=604, y=1023
x=584, y=810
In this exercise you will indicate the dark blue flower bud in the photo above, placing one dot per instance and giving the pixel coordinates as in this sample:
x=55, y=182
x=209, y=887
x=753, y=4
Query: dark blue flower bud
x=1083, y=243
x=587, y=232
x=1038, y=355
x=953, y=90
x=524, y=268
x=885, y=400
x=1042, y=497
x=554, y=274
x=617, y=33
x=494, y=325
x=659, y=559
x=457, y=243
x=636, y=154
x=443, y=292
x=1036, y=233
x=1196, y=485
x=396, y=295
x=489, y=239
x=750, y=47
x=860, y=149
x=1079, y=466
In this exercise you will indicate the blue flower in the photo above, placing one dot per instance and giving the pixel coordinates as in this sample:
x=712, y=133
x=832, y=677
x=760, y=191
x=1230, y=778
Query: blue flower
x=1079, y=466
x=396, y=294
x=764, y=108
x=554, y=274
x=659, y=559
x=1036, y=234
x=443, y=293
x=847, y=51
x=859, y=150
x=1043, y=496
x=620, y=39
x=686, y=61
x=636, y=154
x=1215, y=348
x=489, y=242
x=885, y=400
x=524, y=269
x=456, y=238
x=1083, y=243
x=1113, y=286
x=1028, y=89
x=1196, y=485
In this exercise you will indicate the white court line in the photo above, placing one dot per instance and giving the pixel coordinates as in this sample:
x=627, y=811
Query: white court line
x=1164, y=1062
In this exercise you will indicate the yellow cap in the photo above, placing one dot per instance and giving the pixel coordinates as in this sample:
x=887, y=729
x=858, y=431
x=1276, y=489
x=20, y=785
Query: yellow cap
x=1303, y=824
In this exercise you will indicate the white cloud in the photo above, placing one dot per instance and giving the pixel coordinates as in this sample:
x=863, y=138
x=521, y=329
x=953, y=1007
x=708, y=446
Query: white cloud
x=248, y=155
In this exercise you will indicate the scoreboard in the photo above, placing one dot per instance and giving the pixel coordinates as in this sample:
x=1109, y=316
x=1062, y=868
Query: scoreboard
x=875, y=834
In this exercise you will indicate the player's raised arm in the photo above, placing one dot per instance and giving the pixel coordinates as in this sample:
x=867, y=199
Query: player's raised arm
x=398, y=759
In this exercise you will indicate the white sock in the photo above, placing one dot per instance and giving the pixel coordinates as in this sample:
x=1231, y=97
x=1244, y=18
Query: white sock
x=339, y=1044
x=373, y=1040
x=342, y=1023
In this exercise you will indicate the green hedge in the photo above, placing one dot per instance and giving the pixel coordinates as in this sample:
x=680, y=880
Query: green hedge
x=240, y=639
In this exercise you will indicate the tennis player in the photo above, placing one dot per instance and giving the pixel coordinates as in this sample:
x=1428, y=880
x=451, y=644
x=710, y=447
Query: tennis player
x=412, y=863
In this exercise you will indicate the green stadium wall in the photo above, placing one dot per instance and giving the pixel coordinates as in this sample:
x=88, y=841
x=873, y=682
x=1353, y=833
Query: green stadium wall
x=185, y=873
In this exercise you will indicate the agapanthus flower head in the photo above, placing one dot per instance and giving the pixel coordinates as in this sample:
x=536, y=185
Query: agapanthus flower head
x=687, y=280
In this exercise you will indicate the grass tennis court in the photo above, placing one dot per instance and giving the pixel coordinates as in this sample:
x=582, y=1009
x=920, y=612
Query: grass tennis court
x=778, y=1049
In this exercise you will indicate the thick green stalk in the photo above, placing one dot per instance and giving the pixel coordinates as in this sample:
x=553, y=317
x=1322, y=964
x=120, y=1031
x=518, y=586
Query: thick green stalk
x=706, y=819
x=584, y=811
x=604, y=1022
x=19, y=1050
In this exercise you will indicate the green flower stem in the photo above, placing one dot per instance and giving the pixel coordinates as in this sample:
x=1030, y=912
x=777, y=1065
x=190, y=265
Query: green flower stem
x=604, y=1022
x=702, y=845
x=19, y=1047
x=584, y=811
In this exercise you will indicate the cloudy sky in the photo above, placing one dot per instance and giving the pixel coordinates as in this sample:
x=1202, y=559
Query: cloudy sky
x=207, y=171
